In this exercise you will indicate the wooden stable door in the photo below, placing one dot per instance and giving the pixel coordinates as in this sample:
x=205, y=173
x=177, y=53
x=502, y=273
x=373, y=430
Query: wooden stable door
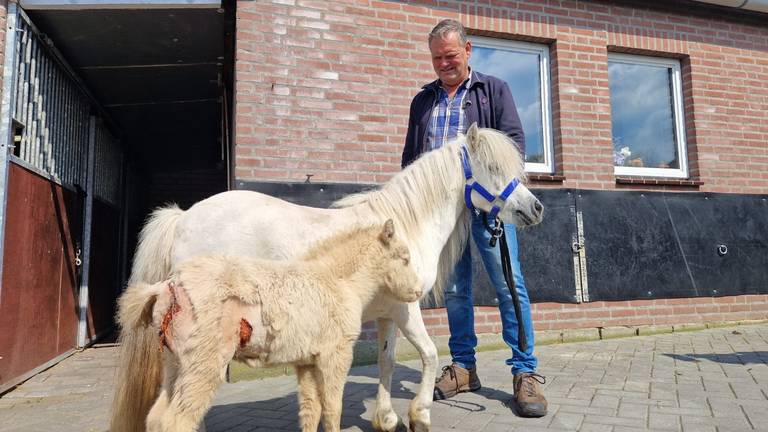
x=38, y=301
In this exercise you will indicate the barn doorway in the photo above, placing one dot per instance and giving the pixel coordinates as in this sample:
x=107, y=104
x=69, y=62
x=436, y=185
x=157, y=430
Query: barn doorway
x=116, y=107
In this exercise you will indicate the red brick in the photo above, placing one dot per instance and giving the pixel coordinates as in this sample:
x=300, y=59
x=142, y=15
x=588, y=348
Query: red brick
x=619, y=313
x=379, y=49
x=545, y=306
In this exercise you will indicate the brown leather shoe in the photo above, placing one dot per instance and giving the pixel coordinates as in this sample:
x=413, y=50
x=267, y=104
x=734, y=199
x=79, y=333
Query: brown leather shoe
x=528, y=396
x=454, y=380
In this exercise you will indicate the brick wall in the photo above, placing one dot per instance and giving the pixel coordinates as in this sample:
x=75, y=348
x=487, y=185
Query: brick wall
x=323, y=87
x=599, y=315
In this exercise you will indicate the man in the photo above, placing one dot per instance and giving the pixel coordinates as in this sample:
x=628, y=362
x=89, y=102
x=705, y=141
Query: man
x=441, y=111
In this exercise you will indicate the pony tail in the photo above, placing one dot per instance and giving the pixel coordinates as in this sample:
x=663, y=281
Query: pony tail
x=136, y=304
x=152, y=261
x=139, y=371
x=139, y=374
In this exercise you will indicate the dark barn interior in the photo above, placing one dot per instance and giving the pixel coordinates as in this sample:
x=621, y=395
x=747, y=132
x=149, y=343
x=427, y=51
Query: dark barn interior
x=163, y=78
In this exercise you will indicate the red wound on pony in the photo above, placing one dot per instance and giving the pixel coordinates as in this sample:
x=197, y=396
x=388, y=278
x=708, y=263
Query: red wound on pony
x=173, y=309
x=246, y=329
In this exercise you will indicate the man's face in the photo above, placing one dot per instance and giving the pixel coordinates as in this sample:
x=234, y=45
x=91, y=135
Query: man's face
x=450, y=58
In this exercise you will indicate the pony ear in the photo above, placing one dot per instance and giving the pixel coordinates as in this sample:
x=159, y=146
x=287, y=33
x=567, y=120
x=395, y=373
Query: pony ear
x=473, y=137
x=388, y=232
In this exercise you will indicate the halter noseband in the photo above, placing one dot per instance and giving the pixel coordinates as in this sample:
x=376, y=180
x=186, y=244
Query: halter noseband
x=472, y=185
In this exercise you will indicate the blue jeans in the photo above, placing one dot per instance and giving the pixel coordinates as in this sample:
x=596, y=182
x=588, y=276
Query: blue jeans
x=458, y=302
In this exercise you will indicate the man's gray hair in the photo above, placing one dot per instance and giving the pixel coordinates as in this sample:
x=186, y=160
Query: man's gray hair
x=446, y=26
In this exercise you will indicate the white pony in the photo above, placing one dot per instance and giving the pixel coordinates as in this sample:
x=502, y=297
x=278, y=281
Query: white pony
x=426, y=202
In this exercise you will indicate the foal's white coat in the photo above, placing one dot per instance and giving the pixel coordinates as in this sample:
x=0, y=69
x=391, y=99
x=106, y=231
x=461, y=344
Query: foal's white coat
x=426, y=201
x=301, y=312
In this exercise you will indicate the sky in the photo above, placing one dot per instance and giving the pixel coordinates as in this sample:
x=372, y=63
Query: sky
x=521, y=72
x=641, y=112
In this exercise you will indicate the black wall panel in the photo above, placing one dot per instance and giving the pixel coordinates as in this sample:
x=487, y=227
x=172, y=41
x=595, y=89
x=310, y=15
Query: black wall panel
x=665, y=245
x=631, y=248
x=307, y=194
x=640, y=245
x=546, y=256
x=724, y=238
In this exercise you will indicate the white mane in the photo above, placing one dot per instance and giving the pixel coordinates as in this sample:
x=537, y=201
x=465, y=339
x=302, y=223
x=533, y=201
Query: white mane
x=412, y=194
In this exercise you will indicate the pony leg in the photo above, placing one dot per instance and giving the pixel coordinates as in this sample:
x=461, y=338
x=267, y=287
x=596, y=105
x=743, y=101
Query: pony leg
x=170, y=372
x=409, y=320
x=309, y=398
x=331, y=373
x=384, y=417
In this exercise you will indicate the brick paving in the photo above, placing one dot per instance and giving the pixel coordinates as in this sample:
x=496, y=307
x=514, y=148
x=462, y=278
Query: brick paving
x=708, y=380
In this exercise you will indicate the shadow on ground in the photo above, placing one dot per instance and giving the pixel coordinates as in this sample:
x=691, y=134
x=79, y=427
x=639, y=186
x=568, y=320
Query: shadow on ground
x=407, y=374
x=281, y=413
x=491, y=394
x=740, y=358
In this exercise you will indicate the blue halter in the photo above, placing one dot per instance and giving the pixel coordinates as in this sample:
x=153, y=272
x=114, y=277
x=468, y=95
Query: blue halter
x=472, y=185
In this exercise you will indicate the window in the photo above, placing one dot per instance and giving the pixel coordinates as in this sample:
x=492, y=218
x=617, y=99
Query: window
x=647, y=116
x=525, y=68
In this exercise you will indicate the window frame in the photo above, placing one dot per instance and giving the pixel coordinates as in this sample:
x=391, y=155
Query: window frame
x=548, y=145
x=678, y=115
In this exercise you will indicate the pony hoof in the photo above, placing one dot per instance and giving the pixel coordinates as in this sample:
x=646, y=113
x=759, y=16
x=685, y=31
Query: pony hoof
x=418, y=426
x=398, y=427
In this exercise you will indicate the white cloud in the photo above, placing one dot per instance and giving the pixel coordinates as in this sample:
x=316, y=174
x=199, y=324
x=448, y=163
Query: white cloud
x=641, y=108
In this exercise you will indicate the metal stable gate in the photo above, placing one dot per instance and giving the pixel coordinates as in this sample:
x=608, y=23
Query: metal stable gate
x=54, y=140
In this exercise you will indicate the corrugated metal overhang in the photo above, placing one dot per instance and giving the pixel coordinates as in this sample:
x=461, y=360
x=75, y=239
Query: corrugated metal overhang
x=117, y=4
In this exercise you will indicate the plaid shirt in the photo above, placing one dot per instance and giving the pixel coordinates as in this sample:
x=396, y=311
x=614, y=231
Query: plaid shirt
x=447, y=120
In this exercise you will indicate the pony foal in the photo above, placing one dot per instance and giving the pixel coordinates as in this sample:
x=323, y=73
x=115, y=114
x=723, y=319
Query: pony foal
x=306, y=313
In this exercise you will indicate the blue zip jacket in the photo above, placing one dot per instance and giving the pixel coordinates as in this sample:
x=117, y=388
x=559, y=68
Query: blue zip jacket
x=488, y=102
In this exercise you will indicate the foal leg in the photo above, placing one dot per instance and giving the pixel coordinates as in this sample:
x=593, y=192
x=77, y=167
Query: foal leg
x=409, y=320
x=384, y=417
x=309, y=398
x=331, y=374
x=194, y=390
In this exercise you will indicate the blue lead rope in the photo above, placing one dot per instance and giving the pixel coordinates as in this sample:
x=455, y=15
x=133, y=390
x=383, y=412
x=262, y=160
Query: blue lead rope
x=496, y=232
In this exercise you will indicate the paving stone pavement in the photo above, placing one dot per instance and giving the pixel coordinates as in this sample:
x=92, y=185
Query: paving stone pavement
x=708, y=380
